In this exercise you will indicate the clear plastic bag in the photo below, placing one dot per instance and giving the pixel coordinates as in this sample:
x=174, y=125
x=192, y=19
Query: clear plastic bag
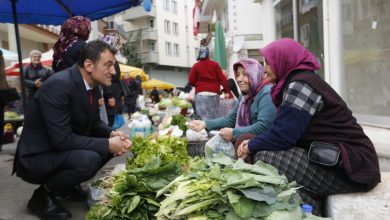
x=217, y=144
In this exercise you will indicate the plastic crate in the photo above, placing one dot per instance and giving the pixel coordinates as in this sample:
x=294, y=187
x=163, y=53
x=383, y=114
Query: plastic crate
x=196, y=148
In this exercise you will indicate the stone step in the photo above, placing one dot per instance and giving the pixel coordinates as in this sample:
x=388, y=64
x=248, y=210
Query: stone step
x=373, y=205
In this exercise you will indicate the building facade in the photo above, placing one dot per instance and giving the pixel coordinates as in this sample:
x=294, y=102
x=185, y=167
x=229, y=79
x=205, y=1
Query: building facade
x=163, y=39
x=348, y=37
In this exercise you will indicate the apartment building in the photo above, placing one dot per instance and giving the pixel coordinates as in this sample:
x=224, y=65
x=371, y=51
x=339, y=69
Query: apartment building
x=163, y=39
x=348, y=37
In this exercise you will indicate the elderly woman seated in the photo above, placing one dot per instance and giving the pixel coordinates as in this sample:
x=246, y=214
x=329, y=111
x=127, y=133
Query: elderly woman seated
x=254, y=111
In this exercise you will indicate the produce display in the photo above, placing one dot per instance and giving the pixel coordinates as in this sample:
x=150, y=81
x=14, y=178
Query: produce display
x=163, y=182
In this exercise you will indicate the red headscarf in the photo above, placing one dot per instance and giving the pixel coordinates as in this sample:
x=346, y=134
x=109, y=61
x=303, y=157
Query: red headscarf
x=74, y=29
x=284, y=56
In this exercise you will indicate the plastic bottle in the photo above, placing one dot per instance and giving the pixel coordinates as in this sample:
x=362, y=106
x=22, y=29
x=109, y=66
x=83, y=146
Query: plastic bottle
x=147, y=124
x=137, y=129
x=307, y=210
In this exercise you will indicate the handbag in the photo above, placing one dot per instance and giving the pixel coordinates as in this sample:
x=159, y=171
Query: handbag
x=325, y=154
x=9, y=95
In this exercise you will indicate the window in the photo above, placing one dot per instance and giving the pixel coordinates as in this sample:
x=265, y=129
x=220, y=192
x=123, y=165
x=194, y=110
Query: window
x=166, y=5
x=152, y=45
x=176, y=50
x=150, y=23
x=175, y=27
x=167, y=26
x=174, y=6
x=110, y=25
x=168, y=48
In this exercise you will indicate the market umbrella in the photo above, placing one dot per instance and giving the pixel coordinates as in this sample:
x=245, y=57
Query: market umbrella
x=220, y=49
x=157, y=83
x=54, y=12
x=134, y=71
x=9, y=55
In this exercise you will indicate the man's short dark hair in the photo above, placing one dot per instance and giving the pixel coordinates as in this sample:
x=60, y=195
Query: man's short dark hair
x=92, y=51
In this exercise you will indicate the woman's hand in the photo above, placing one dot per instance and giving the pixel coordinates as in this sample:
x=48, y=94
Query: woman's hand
x=197, y=125
x=226, y=133
x=243, y=150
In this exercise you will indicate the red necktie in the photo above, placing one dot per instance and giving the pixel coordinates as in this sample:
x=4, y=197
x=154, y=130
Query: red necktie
x=90, y=96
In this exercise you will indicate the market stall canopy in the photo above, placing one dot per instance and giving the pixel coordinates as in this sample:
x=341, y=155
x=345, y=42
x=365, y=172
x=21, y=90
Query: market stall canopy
x=157, y=83
x=55, y=12
x=134, y=71
x=9, y=55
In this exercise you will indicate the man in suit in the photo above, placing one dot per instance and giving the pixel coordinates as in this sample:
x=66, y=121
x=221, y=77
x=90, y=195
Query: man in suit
x=64, y=142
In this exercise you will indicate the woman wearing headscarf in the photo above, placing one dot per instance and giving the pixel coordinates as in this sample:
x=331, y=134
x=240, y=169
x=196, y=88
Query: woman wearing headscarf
x=311, y=115
x=74, y=32
x=207, y=77
x=112, y=94
x=254, y=111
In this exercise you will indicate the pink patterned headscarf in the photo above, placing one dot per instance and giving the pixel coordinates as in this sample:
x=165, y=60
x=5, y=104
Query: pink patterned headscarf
x=74, y=29
x=284, y=56
x=255, y=73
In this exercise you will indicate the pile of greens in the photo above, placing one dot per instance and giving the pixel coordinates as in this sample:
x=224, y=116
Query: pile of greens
x=180, y=121
x=132, y=195
x=166, y=147
x=182, y=103
x=229, y=189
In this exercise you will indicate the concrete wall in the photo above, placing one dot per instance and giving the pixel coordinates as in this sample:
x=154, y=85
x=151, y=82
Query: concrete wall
x=176, y=76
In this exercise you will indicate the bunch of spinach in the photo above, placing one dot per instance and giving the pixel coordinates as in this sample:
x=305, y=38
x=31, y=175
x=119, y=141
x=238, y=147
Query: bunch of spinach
x=229, y=189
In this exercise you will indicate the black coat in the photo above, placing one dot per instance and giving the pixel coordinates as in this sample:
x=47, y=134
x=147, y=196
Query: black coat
x=60, y=119
x=114, y=91
x=31, y=74
x=70, y=57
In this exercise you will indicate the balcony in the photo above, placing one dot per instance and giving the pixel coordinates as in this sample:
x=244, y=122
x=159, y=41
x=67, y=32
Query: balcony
x=113, y=26
x=142, y=34
x=138, y=12
x=148, y=57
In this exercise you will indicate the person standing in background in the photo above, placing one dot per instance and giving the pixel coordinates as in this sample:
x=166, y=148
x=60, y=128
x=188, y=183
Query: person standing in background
x=207, y=77
x=74, y=33
x=112, y=94
x=130, y=91
x=35, y=74
x=154, y=95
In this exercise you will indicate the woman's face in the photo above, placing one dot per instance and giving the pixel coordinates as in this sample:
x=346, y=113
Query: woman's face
x=268, y=73
x=126, y=76
x=242, y=80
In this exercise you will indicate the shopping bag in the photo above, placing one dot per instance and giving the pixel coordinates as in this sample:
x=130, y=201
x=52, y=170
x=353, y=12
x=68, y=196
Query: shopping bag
x=216, y=145
x=119, y=121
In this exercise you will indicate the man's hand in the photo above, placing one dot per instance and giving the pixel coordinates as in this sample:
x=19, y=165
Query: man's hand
x=118, y=145
x=111, y=102
x=101, y=102
x=226, y=133
x=197, y=125
x=38, y=83
x=243, y=150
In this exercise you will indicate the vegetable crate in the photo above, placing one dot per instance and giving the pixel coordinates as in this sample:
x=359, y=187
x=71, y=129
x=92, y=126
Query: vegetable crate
x=196, y=148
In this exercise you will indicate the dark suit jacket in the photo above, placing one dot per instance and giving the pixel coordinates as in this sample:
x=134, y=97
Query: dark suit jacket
x=60, y=119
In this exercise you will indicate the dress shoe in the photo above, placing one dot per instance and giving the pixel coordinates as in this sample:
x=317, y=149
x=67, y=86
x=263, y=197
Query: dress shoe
x=46, y=207
x=77, y=194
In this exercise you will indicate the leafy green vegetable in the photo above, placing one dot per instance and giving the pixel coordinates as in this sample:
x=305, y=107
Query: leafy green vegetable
x=180, y=121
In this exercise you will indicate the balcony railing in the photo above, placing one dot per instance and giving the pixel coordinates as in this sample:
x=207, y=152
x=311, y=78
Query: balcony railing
x=138, y=12
x=148, y=56
x=142, y=34
x=116, y=27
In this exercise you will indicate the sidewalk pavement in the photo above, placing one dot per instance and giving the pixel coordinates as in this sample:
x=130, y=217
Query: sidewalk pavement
x=15, y=193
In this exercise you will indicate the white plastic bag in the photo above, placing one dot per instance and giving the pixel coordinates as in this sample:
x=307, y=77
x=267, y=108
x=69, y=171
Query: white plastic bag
x=196, y=136
x=140, y=104
x=216, y=145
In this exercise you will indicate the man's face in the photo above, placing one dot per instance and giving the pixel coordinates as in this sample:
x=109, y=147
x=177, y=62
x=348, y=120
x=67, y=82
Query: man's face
x=36, y=59
x=103, y=69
